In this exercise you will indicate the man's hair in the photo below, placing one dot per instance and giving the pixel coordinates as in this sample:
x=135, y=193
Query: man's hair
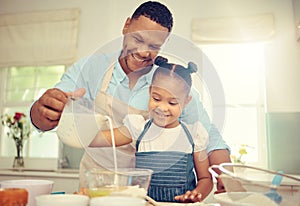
x=156, y=12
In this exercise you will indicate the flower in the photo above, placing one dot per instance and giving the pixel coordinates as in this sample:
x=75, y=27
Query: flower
x=241, y=152
x=18, y=116
x=19, y=128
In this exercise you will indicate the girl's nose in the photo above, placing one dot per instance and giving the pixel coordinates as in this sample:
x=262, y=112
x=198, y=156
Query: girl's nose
x=162, y=107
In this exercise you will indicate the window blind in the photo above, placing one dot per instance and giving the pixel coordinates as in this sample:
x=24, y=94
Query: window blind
x=233, y=29
x=39, y=38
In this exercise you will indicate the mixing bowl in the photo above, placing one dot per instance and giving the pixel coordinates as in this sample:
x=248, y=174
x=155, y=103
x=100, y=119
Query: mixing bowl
x=125, y=181
x=62, y=200
x=239, y=180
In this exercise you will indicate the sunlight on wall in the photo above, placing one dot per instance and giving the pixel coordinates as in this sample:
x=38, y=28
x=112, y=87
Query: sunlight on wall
x=241, y=70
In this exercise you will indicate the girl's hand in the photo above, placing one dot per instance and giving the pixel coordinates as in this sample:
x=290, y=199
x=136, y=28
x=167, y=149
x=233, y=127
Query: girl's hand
x=189, y=196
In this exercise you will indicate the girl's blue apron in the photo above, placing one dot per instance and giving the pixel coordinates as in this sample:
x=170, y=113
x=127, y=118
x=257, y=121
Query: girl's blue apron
x=172, y=170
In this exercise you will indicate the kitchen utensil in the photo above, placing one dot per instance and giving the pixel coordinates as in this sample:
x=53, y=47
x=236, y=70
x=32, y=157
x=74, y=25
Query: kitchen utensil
x=79, y=123
x=248, y=179
x=151, y=201
x=272, y=194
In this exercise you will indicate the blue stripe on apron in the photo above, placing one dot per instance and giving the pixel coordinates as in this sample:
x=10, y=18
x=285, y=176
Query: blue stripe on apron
x=172, y=170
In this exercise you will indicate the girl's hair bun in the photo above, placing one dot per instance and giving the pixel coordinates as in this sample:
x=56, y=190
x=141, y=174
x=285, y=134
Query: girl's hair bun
x=159, y=61
x=192, y=67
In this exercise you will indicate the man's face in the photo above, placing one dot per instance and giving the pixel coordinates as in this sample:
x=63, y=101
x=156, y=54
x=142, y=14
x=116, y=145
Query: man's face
x=143, y=39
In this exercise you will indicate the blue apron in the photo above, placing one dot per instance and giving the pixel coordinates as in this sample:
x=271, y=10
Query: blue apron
x=172, y=170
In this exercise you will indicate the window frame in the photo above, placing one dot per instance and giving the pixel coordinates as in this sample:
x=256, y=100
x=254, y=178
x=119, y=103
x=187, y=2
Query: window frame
x=259, y=107
x=31, y=162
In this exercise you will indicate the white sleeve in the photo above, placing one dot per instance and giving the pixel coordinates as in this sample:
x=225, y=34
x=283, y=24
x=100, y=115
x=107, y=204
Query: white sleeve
x=135, y=124
x=200, y=137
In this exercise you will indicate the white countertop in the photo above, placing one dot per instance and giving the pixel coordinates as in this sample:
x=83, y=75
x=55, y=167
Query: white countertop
x=64, y=173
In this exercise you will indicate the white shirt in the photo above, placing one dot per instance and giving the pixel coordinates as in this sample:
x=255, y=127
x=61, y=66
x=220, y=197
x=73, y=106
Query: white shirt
x=166, y=139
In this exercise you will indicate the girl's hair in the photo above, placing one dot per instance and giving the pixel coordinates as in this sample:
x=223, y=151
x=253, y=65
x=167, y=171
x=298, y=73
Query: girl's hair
x=157, y=12
x=175, y=70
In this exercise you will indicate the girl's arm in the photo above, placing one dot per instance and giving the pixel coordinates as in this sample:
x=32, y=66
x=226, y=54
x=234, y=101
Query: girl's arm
x=104, y=138
x=204, y=184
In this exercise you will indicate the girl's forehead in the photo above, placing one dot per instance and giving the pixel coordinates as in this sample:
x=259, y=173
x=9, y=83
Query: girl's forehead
x=173, y=86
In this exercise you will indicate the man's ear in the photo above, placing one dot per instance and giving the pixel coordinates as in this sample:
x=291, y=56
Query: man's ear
x=126, y=25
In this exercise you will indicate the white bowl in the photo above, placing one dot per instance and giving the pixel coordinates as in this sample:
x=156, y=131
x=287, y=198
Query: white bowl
x=62, y=200
x=117, y=201
x=34, y=187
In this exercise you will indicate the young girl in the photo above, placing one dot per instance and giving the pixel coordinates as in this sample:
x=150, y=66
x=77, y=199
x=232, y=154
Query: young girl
x=172, y=149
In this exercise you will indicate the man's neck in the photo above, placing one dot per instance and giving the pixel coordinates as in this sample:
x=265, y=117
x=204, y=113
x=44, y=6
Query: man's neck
x=134, y=76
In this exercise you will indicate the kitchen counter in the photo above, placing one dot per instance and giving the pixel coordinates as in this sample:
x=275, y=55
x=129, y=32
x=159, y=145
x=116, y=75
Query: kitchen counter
x=65, y=180
x=66, y=173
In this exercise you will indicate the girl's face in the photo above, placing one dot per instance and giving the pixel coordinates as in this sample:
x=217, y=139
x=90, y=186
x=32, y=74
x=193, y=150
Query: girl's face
x=168, y=97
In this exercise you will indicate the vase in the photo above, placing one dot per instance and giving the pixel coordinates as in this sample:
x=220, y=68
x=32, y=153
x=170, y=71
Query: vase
x=19, y=160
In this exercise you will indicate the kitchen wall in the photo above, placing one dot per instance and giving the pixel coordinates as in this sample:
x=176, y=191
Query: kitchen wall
x=101, y=21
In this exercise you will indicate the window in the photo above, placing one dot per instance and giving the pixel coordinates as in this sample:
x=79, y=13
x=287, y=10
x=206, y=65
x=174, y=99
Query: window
x=21, y=86
x=241, y=71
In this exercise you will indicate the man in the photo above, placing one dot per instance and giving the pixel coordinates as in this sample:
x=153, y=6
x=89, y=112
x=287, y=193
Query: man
x=126, y=81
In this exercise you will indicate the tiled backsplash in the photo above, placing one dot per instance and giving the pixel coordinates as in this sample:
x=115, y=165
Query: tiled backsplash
x=283, y=134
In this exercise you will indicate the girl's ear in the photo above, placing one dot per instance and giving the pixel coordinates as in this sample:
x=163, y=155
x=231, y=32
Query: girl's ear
x=187, y=100
x=126, y=25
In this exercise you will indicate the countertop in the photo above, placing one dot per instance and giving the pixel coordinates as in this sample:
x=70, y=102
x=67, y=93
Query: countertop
x=64, y=173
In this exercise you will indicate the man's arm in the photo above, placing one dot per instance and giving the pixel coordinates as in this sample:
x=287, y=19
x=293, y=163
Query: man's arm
x=217, y=157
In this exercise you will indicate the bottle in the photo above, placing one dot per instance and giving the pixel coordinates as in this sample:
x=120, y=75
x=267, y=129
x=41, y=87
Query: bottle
x=13, y=197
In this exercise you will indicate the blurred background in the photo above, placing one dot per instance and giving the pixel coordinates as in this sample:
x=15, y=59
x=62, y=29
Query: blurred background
x=254, y=45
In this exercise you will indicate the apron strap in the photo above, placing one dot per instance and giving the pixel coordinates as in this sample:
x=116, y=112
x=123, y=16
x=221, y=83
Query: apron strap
x=107, y=78
x=146, y=127
x=188, y=134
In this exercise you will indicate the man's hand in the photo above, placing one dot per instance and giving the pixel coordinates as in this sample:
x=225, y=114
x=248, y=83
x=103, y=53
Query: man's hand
x=220, y=186
x=46, y=111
